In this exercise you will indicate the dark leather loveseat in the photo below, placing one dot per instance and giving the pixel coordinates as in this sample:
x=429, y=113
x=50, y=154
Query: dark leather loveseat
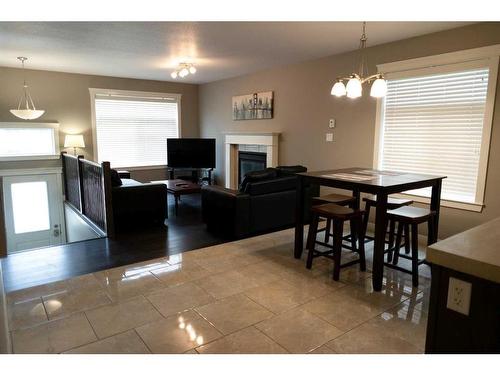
x=265, y=202
x=136, y=204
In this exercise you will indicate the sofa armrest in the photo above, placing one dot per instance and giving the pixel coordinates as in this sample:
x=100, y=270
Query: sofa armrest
x=225, y=211
x=139, y=205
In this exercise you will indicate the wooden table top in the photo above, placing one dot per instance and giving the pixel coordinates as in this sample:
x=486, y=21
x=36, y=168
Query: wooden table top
x=370, y=177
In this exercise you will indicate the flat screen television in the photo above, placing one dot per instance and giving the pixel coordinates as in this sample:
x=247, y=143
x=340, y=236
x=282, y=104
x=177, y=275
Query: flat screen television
x=191, y=152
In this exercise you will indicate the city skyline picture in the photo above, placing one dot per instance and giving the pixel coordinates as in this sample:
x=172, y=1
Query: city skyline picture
x=255, y=106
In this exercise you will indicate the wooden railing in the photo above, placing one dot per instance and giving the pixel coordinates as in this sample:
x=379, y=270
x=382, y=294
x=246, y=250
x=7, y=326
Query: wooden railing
x=72, y=180
x=87, y=188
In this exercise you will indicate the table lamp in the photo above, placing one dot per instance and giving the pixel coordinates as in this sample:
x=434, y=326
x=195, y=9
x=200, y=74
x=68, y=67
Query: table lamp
x=74, y=140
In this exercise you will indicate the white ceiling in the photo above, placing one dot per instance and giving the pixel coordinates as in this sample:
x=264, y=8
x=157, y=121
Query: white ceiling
x=150, y=50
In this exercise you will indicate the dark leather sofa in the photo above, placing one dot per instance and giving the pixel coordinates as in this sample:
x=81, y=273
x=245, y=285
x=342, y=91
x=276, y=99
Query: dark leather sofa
x=136, y=204
x=264, y=202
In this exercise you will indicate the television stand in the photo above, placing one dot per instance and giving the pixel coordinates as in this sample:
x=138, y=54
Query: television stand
x=194, y=174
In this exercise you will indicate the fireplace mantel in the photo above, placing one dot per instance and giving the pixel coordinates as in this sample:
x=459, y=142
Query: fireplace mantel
x=234, y=140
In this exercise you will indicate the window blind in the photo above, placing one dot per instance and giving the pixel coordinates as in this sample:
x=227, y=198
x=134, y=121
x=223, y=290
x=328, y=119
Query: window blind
x=434, y=125
x=133, y=132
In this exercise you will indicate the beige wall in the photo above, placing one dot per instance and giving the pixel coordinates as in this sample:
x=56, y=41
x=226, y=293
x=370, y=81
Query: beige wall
x=66, y=99
x=303, y=106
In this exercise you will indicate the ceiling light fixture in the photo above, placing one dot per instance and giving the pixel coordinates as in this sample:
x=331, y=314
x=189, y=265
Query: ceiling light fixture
x=29, y=112
x=354, y=87
x=183, y=70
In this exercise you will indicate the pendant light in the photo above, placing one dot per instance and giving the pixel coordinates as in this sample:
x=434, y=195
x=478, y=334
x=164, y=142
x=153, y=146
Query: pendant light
x=354, y=87
x=29, y=112
x=183, y=70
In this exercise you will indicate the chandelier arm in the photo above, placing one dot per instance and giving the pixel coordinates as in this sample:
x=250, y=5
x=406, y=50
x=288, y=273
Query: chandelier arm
x=31, y=100
x=20, y=101
x=372, y=77
x=27, y=97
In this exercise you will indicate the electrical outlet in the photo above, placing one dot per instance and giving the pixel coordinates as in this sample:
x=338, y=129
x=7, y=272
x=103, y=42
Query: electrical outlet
x=329, y=137
x=331, y=124
x=459, y=293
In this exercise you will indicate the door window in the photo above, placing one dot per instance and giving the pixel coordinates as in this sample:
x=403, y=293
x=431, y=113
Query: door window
x=30, y=206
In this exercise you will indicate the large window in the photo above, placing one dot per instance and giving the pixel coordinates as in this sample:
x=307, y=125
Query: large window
x=438, y=121
x=28, y=141
x=131, y=128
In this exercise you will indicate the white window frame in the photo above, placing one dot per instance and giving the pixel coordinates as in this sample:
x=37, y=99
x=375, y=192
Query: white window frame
x=34, y=125
x=132, y=94
x=467, y=59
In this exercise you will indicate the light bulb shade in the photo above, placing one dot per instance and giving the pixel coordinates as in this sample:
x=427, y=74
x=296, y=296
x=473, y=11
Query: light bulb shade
x=184, y=72
x=27, y=114
x=173, y=75
x=379, y=88
x=192, y=69
x=74, y=140
x=338, y=89
x=354, y=88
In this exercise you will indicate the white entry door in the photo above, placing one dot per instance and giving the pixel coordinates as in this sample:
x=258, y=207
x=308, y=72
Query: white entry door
x=33, y=211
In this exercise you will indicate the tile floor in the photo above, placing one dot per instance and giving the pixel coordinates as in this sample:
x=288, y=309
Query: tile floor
x=248, y=296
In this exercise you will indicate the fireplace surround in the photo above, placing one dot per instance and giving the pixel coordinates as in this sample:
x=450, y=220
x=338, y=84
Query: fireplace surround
x=235, y=142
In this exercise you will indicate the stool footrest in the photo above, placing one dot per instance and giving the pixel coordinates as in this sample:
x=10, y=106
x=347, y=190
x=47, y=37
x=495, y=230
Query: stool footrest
x=393, y=266
x=344, y=246
x=419, y=261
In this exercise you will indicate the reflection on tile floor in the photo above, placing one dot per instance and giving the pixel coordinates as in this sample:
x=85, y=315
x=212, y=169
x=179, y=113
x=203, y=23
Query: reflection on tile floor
x=248, y=296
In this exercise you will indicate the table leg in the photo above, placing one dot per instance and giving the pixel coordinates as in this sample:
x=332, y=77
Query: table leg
x=356, y=194
x=176, y=203
x=299, y=218
x=433, y=225
x=379, y=243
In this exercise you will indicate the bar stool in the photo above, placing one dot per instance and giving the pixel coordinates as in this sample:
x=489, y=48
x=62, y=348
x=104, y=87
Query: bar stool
x=392, y=204
x=341, y=200
x=406, y=218
x=338, y=215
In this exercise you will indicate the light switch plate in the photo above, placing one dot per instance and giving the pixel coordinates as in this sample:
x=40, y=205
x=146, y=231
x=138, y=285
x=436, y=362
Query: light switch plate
x=329, y=137
x=331, y=123
x=459, y=294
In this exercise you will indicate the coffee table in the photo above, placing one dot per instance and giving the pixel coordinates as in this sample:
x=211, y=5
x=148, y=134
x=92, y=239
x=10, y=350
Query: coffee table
x=179, y=187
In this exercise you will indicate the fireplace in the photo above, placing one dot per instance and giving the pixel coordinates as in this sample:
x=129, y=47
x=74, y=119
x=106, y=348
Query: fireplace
x=249, y=161
x=248, y=142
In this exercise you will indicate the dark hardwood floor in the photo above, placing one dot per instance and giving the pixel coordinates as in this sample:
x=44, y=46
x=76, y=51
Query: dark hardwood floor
x=184, y=232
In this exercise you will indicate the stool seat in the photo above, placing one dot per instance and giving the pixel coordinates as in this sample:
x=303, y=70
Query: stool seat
x=343, y=200
x=392, y=203
x=410, y=214
x=331, y=210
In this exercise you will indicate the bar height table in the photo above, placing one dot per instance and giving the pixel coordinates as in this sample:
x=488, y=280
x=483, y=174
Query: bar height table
x=366, y=180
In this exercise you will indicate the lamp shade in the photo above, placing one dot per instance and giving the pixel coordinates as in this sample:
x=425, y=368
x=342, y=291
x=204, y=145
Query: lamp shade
x=74, y=140
x=379, y=88
x=338, y=89
x=354, y=88
x=27, y=114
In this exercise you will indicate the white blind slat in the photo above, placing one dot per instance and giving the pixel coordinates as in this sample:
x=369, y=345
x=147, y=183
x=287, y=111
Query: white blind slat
x=134, y=132
x=434, y=125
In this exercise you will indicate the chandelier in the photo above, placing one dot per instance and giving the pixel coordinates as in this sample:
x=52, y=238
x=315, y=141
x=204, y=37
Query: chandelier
x=29, y=112
x=183, y=70
x=354, y=87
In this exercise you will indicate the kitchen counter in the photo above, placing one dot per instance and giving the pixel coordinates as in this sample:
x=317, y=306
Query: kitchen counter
x=475, y=252
x=464, y=317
